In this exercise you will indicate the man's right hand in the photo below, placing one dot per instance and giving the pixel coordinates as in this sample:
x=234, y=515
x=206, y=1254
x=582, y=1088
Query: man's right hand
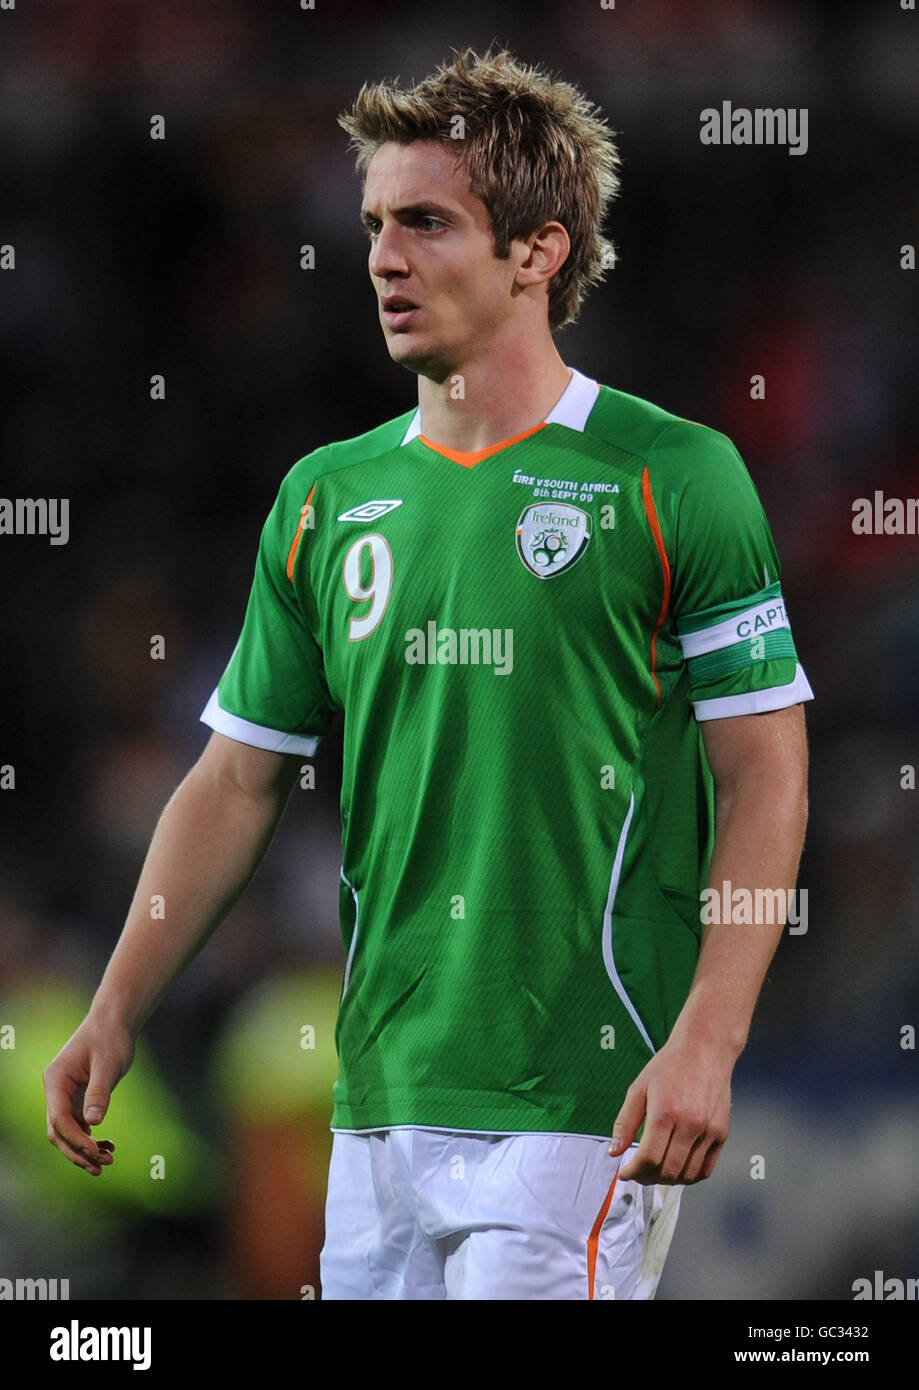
x=208, y=842
x=78, y=1087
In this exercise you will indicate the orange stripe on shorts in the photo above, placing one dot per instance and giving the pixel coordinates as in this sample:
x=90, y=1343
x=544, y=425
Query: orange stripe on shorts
x=593, y=1239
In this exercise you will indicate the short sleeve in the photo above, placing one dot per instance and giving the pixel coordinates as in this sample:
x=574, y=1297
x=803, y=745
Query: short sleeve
x=726, y=600
x=273, y=693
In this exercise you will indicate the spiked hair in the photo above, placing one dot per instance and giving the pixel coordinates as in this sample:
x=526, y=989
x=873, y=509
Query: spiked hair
x=533, y=150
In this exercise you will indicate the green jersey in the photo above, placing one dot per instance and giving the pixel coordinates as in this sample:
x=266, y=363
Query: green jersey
x=523, y=641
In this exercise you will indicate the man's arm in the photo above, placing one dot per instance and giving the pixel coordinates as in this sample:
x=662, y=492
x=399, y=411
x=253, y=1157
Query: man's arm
x=207, y=845
x=683, y=1095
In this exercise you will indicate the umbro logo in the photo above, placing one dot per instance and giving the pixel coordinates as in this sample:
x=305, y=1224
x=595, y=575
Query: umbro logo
x=369, y=511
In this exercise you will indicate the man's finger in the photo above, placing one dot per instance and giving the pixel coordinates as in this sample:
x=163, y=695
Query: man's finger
x=76, y=1156
x=97, y=1097
x=691, y=1169
x=711, y=1158
x=62, y=1120
x=689, y=1143
x=79, y=1156
x=72, y=1138
x=628, y=1121
x=644, y=1165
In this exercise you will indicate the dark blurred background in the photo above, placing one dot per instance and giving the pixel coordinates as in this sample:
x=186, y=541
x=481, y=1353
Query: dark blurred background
x=136, y=257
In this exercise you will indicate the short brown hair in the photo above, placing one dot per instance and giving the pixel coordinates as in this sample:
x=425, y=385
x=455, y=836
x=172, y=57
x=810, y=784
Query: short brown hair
x=533, y=151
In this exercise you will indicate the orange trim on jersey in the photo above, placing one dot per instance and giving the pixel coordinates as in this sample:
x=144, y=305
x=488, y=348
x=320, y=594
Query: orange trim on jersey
x=593, y=1240
x=469, y=460
x=296, y=541
x=653, y=522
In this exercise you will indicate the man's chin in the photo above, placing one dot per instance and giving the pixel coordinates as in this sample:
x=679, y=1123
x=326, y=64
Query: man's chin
x=414, y=356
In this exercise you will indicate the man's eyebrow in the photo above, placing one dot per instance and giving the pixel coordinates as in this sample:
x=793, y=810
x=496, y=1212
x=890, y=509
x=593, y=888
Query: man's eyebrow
x=412, y=210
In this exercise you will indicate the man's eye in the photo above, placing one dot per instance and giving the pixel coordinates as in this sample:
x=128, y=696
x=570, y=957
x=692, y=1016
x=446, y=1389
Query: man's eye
x=428, y=224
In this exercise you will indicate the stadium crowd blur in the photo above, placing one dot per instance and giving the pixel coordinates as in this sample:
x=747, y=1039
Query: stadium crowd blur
x=181, y=257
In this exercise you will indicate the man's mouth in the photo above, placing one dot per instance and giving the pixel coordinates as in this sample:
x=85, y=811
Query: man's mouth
x=398, y=311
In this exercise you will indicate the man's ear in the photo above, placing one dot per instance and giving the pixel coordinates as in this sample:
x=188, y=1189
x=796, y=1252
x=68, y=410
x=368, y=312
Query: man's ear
x=549, y=248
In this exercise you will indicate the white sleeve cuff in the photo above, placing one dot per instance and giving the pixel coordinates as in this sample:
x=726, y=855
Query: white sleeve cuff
x=756, y=701
x=258, y=735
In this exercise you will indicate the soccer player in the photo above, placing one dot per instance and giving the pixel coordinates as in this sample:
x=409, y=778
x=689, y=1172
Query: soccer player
x=552, y=615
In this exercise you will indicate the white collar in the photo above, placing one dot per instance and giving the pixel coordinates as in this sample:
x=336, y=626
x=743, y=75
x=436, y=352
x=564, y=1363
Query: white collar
x=571, y=409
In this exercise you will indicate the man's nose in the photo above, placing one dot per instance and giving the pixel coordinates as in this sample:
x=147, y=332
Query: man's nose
x=387, y=252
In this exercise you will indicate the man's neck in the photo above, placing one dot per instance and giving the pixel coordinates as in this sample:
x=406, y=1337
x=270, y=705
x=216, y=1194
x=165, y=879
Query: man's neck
x=486, y=402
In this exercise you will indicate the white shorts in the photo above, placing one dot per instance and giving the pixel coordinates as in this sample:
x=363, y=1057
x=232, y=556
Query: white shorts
x=437, y=1214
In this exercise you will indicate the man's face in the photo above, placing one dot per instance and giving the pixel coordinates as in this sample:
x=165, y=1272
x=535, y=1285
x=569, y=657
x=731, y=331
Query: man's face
x=431, y=246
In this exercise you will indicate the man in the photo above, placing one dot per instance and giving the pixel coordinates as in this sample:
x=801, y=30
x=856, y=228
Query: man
x=529, y=596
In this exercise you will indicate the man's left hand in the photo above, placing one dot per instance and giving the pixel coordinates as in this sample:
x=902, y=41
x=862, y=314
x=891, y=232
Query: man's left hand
x=684, y=1097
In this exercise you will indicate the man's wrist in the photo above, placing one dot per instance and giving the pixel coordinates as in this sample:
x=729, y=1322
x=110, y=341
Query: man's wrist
x=106, y=1014
x=700, y=1028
